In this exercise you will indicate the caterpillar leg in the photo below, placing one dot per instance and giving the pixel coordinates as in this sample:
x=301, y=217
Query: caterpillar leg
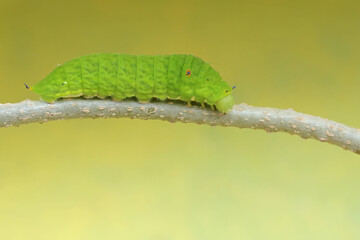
x=89, y=96
x=212, y=107
x=202, y=104
x=143, y=98
x=116, y=99
x=101, y=96
x=48, y=99
x=161, y=97
x=76, y=95
x=189, y=103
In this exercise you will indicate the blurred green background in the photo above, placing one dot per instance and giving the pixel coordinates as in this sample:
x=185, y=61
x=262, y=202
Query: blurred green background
x=135, y=179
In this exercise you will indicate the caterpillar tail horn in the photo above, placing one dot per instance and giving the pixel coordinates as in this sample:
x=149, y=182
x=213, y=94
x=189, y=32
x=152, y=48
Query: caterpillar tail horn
x=27, y=86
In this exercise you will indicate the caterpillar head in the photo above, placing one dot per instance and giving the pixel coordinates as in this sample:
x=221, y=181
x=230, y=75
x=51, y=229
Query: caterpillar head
x=52, y=87
x=218, y=92
x=225, y=100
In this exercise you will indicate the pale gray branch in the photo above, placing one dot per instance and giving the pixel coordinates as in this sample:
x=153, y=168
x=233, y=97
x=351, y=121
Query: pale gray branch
x=242, y=116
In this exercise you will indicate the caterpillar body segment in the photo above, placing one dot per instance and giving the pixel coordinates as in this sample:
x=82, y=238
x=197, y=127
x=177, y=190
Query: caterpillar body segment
x=161, y=66
x=90, y=75
x=120, y=76
x=73, y=74
x=176, y=63
x=108, y=70
x=144, y=78
x=188, y=80
x=126, y=77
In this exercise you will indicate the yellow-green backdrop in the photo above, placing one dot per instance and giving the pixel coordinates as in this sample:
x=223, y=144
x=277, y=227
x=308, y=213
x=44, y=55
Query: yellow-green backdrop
x=135, y=179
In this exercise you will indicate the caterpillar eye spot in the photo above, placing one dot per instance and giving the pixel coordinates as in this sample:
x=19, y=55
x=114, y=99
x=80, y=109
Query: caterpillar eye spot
x=207, y=79
x=188, y=73
x=226, y=91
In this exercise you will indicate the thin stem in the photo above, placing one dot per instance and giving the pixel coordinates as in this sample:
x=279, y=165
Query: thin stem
x=242, y=116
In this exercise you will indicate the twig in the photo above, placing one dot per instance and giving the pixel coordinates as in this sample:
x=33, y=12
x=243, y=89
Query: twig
x=242, y=116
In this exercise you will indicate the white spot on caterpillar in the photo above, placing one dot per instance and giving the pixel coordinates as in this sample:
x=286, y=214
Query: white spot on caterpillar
x=313, y=128
x=348, y=142
x=112, y=109
x=267, y=119
x=142, y=108
x=180, y=113
x=101, y=108
x=129, y=109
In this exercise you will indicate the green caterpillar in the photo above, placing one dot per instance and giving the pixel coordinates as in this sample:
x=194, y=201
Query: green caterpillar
x=120, y=76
